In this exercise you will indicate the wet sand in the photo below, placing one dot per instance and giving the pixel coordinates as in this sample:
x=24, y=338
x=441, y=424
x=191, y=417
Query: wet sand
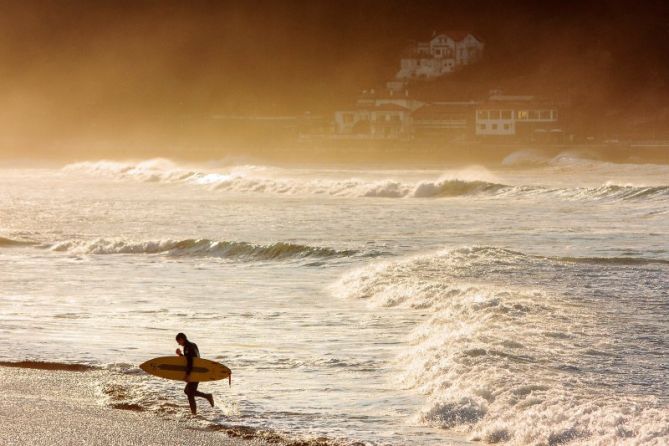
x=45, y=405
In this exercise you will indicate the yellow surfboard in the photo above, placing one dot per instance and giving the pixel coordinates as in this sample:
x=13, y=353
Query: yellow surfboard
x=174, y=367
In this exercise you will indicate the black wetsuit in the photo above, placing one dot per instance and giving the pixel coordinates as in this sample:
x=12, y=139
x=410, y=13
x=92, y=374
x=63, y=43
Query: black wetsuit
x=191, y=351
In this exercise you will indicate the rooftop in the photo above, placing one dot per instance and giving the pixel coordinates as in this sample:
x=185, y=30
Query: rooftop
x=456, y=35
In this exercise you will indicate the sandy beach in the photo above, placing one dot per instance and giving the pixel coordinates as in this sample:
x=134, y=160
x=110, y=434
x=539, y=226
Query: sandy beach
x=63, y=407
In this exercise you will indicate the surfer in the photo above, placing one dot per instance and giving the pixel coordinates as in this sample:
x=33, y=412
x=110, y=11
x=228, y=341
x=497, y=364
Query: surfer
x=191, y=351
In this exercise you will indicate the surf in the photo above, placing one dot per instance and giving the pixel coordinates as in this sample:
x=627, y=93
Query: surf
x=196, y=248
x=462, y=183
x=501, y=339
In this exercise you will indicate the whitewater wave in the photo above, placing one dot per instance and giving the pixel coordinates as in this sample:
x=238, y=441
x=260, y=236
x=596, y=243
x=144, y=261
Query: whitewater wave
x=565, y=159
x=582, y=162
x=198, y=247
x=261, y=179
x=526, y=158
x=627, y=192
x=511, y=363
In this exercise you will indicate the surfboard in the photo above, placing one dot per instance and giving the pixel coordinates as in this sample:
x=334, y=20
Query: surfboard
x=174, y=367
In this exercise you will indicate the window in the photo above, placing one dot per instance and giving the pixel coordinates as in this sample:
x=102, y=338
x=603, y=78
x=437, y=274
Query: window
x=482, y=126
x=506, y=114
x=494, y=126
x=494, y=114
x=545, y=114
x=482, y=114
x=523, y=115
x=534, y=114
x=507, y=126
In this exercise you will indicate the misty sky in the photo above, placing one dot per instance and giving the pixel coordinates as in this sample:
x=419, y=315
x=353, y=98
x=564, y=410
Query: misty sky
x=133, y=73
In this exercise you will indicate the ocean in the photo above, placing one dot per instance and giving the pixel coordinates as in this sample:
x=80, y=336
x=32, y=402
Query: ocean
x=523, y=304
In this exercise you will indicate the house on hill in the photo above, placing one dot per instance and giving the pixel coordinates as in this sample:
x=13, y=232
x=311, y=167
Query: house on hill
x=444, y=53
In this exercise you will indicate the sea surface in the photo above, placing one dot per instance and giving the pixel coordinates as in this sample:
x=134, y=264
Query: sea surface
x=527, y=304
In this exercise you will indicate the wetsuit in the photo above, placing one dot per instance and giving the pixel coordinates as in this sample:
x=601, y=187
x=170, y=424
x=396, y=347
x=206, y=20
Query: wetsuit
x=191, y=351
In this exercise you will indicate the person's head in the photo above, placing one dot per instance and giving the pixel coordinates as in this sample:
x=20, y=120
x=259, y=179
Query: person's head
x=182, y=339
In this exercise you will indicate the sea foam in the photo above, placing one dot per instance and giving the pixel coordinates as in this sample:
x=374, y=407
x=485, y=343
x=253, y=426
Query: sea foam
x=505, y=363
x=196, y=247
x=470, y=183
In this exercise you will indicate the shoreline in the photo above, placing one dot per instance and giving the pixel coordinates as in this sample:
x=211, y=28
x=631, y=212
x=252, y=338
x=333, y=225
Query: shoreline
x=55, y=404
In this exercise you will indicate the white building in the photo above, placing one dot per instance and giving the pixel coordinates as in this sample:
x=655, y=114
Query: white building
x=375, y=117
x=517, y=116
x=442, y=54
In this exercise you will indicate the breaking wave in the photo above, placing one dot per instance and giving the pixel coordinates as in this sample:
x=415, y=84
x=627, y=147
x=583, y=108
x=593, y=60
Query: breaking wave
x=262, y=179
x=455, y=188
x=570, y=158
x=198, y=247
x=520, y=364
x=625, y=192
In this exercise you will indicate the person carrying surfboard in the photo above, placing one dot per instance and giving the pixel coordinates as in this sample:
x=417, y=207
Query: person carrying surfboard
x=191, y=351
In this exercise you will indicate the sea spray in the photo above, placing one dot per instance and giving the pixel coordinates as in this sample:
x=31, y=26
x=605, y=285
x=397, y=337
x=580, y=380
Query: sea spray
x=518, y=363
x=468, y=182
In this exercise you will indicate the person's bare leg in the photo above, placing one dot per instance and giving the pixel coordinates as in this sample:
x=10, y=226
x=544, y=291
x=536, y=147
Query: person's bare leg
x=207, y=396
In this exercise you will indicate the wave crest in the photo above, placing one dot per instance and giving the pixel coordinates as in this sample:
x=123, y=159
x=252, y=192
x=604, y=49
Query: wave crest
x=269, y=180
x=457, y=188
x=488, y=357
x=198, y=247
